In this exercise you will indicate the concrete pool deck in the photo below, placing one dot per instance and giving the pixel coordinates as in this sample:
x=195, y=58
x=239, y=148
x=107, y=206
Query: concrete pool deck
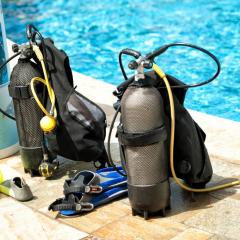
x=211, y=216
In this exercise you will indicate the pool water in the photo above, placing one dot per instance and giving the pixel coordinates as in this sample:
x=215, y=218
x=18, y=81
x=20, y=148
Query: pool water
x=93, y=32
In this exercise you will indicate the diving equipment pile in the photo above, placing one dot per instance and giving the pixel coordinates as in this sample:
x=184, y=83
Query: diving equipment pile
x=153, y=121
x=157, y=136
x=52, y=117
x=88, y=190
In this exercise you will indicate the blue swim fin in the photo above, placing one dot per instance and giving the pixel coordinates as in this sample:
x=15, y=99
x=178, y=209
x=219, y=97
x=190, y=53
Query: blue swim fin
x=87, y=190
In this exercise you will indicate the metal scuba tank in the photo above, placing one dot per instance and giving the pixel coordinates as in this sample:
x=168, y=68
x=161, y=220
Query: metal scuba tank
x=27, y=113
x=143, y=136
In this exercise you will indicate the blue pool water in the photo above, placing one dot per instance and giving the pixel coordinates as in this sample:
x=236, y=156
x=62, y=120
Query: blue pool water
x=93, y=32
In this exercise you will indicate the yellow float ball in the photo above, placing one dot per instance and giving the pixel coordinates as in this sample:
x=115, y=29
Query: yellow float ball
x=48, y=124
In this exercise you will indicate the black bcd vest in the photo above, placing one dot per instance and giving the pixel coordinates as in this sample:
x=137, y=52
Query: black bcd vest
x=81, y=124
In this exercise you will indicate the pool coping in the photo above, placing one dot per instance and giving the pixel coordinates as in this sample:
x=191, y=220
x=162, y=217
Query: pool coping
x=223, y=135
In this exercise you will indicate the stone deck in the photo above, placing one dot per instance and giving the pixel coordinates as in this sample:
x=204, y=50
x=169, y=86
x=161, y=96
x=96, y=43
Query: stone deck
x=210, y=216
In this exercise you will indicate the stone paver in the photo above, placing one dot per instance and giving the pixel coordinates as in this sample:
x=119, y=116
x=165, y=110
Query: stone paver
x=96, y=219
x=222, y=219
x=137, y=228
x=20, y=222
x=192, y=233
x=91, y=237
x=218, y=237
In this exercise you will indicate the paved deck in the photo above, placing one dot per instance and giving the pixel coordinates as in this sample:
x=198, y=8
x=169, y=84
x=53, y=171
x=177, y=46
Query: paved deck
x=210, y=216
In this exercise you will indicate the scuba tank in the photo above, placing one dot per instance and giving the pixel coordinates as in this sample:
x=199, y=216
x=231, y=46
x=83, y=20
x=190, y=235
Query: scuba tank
x=146, y=161
x=28, y=114
x=149, y=102
x=30, y=120
x=142, y=134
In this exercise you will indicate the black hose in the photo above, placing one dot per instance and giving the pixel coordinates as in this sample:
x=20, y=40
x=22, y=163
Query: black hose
x=129, y=52
x=7, y=115
x=1, y=68
x=121, y=65
x=7, y=61
x=204, y=51
x=162, y=49
x=110, y=160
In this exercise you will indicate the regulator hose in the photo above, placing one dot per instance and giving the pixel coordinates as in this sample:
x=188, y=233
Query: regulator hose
x=162, y=75
x=110, y=160
x=53, y=112
x=151, y=56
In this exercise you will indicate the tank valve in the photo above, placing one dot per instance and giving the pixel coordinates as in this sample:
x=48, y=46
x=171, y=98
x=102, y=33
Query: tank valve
x=15, y=48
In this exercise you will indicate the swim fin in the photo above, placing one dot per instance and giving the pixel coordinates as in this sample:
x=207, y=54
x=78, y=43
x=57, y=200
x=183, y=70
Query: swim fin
x=87, y=190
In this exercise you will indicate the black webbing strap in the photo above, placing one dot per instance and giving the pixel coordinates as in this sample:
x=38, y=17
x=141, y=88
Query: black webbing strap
x=143, y=138
x=73, y=189
x=20, y=92
x=61, y=204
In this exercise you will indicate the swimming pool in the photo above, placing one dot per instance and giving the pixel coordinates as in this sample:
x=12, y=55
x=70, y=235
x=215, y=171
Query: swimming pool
x=93, y=32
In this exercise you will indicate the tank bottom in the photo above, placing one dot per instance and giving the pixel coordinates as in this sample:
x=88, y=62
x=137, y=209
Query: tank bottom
x=149, y=199
x=31, y=159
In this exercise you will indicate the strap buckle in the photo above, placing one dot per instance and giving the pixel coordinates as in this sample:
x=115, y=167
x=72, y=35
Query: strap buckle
x=84, y=207
x=19, y=92
x=93, y=189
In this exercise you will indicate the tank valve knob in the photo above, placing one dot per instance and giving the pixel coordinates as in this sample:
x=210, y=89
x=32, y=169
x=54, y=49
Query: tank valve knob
x=15, y=48
x=133, y=65
x=28, y=52
x=147, y=64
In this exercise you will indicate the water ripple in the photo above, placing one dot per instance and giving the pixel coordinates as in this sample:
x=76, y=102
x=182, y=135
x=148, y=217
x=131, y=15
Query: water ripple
x=93, y=32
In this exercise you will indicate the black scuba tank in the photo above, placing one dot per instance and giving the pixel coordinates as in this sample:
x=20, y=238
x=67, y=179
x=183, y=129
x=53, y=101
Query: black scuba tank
x=143, y=137
x=27, y=113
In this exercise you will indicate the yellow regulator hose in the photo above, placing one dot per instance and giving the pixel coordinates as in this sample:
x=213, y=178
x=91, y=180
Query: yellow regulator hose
x=48, y=122
x=162, y=75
